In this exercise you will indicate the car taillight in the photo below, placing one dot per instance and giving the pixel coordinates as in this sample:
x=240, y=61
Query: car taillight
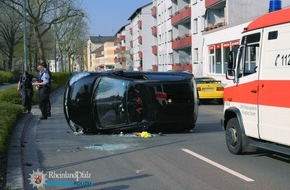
x=198, y=88
x=220, y=88
x=160, y=95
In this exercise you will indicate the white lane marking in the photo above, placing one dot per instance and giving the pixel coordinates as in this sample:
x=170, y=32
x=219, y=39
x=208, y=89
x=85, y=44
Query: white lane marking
x=218, y=165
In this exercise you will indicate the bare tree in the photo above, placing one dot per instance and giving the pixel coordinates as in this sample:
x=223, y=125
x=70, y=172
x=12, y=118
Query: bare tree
x=10, y=33
x=70, y=37
x=41, y=16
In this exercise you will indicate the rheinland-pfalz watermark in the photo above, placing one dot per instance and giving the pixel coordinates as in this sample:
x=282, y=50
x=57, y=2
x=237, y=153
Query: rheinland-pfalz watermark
x=42, y=179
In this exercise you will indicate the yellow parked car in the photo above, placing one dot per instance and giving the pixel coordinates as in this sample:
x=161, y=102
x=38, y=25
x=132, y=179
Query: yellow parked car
x=210, y=89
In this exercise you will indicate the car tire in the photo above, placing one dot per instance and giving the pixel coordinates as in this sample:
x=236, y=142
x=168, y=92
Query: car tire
x=221, y=101
x=234, y=136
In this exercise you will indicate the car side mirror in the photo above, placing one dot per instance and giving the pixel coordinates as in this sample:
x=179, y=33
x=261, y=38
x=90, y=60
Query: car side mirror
x=230, y=74
x=231, y=60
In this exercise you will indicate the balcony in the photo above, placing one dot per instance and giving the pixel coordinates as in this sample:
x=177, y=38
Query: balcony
x=154, y=11
x=119, y=39
x=122, y=59
x=216, y=25
x=122, y=37
x=180, y=43
x=182, y=15
x=154, y=30
x=140, y=24
x=209, y=3
x=122, y=48
x=119, y=49
x=182, y=66
x=154, y=50
x=140, y=39
x=116, y=60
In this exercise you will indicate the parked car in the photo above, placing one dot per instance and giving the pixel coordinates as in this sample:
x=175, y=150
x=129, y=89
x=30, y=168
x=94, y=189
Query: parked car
x=209, y=89
x=133, y=100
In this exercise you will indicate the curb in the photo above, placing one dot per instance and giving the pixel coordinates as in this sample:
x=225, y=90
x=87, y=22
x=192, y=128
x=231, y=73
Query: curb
x=14, y=175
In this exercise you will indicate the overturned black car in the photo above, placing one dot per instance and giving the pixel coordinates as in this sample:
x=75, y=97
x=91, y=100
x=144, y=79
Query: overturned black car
x=133, y=100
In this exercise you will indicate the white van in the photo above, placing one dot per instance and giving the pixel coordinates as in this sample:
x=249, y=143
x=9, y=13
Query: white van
x=257, y=99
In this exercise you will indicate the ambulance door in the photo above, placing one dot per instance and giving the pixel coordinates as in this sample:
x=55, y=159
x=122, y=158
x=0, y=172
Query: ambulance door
x=274, y=97
x=247, y=82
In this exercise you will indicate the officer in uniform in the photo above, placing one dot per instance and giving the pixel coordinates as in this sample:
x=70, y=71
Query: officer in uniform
x=42, y=85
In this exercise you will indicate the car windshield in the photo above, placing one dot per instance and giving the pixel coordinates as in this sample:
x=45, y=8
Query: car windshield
x=110, y=101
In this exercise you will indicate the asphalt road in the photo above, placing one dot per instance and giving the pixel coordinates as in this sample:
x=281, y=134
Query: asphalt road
x=183, y=160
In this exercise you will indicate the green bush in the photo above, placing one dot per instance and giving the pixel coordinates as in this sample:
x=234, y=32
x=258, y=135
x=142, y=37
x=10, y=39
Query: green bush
x=59, y=79
x=9, y=113
x=11, y=95
x=6, y=77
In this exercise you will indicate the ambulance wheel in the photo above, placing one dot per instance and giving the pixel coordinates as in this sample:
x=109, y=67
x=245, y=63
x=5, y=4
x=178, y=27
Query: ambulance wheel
x=234, y=136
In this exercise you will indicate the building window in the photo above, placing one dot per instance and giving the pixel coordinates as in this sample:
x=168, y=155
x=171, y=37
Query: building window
x=195, y=55
x=195, y=26
x=211, y=59
x=218, y=56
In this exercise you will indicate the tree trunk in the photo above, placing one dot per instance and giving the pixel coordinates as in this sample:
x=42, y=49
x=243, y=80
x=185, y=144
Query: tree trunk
x=39, y=44
x=10, y=58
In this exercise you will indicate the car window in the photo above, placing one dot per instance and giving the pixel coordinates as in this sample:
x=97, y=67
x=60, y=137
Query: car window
x=110, y=101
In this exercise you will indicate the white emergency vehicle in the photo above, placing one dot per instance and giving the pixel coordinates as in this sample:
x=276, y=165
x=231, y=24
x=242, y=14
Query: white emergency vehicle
x=257, y=97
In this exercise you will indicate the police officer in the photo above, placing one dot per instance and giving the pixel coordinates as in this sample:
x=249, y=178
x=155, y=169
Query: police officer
x=42, y=85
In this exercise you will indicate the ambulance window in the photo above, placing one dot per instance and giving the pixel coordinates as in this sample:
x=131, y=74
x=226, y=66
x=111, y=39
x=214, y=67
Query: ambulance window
x=248, y=57
x=253, y=38
x=273, y=35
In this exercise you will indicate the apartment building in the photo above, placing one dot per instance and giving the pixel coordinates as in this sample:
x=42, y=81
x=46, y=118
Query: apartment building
x=120, y=48
x=105, y=58
x=162, y=32
x=140, y=38
x=93, y=43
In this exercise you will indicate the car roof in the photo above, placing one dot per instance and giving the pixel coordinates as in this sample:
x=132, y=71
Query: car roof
x=150, y=75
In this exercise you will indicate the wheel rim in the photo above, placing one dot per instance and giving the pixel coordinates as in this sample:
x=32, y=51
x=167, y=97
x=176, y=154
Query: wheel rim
x=232, y=136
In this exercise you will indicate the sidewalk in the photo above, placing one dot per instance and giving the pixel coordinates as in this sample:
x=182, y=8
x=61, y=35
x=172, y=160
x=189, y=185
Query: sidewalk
x=22, y=152
x=5, y=86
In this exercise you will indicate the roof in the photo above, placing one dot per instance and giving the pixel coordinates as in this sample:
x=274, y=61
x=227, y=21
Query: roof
x=138, y=11
x=121, y=29
x=270, y=19
x=102, y=39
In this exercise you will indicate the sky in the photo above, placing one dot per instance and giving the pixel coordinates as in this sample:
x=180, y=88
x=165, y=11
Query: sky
x=106, y=17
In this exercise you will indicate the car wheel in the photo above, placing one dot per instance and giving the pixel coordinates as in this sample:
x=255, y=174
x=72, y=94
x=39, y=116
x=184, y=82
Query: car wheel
x=234, y=136
x=221, y=101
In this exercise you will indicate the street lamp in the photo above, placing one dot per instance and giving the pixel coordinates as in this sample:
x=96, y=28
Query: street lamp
x=25, y=36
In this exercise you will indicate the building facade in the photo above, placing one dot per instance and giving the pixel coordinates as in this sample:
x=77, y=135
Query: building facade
x=93, y=43
x=141, y=39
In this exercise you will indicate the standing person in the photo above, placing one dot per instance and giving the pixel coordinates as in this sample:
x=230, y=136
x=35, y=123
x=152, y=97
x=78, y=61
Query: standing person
x=25, y=85
x=42, y=84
